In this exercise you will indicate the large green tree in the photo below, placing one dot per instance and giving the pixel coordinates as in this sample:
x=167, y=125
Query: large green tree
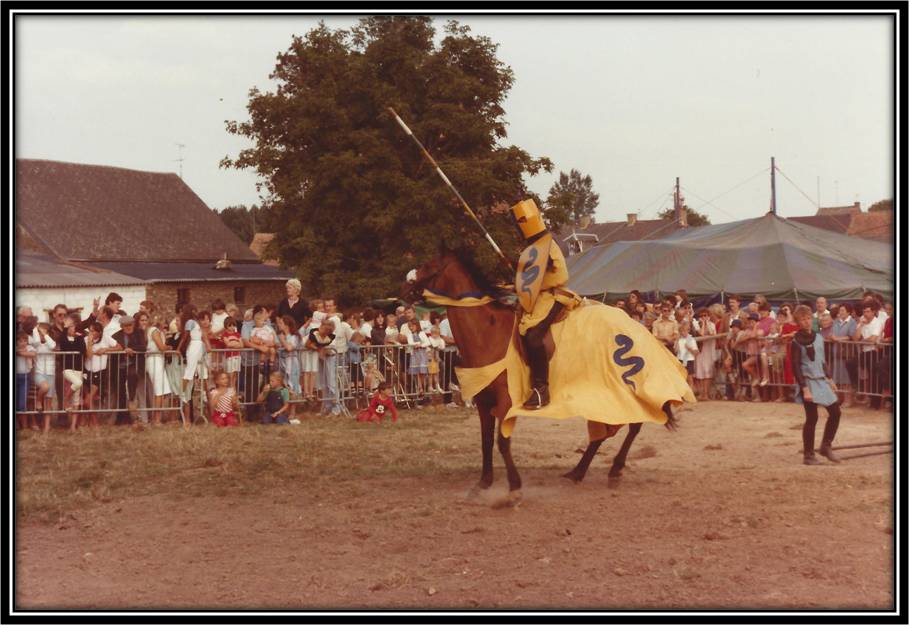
x=881, y=205
x=356, y=203
x=571, y=198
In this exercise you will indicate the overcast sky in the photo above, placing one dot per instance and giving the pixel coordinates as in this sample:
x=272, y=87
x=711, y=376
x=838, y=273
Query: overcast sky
x=632, y=101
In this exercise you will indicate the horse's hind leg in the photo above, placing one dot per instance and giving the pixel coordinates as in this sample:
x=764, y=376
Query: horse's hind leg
x=577, y=474
x=615, y=472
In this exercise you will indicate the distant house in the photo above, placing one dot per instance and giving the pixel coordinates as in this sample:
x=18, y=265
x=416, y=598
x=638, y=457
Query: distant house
x=259, y=243
x=851, y=220
x=574, y=239
x=146, y=227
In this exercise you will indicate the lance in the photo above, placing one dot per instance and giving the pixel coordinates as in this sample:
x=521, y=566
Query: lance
x=445, y=179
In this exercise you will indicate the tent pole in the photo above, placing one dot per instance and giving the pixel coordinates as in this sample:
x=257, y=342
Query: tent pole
x=797, y=300
x=723, y=297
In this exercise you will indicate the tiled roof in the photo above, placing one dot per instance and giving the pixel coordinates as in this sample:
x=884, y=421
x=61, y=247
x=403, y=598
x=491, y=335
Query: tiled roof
x=93, y=212
x=835, y=223
x=877, y=225
x=619, y=231
x=40, y=271
x=194, y=272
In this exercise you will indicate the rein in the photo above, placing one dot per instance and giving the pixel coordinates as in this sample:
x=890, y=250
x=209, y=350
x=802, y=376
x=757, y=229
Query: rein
x=464, y=300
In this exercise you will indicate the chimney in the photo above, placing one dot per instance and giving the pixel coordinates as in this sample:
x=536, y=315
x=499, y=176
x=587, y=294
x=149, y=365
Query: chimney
x=857, y=207
x=632, y=218
x=683, y=216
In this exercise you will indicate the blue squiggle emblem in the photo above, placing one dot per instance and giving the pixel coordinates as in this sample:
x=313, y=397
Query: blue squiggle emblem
x=637, y=363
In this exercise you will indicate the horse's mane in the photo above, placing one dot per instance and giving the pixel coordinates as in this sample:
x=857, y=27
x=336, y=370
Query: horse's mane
x=466, y=259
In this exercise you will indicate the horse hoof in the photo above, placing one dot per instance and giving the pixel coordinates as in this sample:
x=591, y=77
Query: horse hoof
x=512, y=500
x=613, y=481
x=571, y=475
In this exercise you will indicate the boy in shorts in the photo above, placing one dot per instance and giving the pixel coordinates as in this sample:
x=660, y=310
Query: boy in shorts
x=276, y=398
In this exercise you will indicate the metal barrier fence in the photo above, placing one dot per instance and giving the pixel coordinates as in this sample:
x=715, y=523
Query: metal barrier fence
x=858, y=368
x=151, y=385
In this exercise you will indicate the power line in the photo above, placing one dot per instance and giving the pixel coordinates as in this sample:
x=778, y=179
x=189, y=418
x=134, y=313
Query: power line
x=687, y=190
x=807, y=197
x=728, y=191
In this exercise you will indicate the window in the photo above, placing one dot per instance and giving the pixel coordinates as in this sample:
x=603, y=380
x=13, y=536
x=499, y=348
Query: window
x=182, y=297
x=239, y=295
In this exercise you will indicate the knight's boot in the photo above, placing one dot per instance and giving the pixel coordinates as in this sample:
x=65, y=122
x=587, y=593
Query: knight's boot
x=826, y=450
x=539, y=374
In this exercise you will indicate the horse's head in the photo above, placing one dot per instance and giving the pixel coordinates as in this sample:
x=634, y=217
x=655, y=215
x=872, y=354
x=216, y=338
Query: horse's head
x=430, y=274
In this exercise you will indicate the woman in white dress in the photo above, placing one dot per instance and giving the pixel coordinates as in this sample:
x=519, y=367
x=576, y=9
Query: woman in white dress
x=154, y=363
x=191, y=342
x=705, y=360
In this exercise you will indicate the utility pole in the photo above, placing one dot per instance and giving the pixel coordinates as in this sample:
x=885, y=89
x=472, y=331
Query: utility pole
x=773, y=185
x=675, y=199
x=180, y=147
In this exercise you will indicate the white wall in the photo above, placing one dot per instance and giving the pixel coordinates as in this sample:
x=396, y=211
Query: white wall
x=42, y=300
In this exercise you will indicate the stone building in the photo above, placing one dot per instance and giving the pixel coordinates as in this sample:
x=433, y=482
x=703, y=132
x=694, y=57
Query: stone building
x=120, y=224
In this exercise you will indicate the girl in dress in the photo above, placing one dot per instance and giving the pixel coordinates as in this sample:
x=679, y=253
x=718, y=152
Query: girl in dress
x=232, y=340
x=437, y=345
x=814, y=386
x=289, y=357
x=705, y=360
x=419, y=347
x=223, y=401
x=154, y=366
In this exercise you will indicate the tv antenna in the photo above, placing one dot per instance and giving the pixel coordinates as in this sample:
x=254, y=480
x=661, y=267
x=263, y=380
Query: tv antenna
x=180, y=147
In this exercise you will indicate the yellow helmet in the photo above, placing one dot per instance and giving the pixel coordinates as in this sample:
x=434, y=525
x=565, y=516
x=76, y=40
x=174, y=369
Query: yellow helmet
x=528, y=217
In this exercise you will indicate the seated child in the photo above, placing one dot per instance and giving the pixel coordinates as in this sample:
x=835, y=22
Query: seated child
x=223, y=401
x=276, y=398
x=381, y=404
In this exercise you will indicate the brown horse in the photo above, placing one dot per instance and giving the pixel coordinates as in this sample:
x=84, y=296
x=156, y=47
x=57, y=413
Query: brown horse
x=482, y=334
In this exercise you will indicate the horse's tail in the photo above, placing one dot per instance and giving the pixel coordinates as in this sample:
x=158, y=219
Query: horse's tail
x=672, y=421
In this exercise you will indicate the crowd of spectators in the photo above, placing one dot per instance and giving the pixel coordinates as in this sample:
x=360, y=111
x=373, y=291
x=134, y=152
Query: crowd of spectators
x=127, y=365
x=740, y=349
x=297, y=350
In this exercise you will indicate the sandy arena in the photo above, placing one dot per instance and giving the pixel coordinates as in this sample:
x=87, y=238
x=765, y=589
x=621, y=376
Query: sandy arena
x=720, y=514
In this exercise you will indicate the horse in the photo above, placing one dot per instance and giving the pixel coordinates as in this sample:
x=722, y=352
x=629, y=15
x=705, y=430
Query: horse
x=482, y=334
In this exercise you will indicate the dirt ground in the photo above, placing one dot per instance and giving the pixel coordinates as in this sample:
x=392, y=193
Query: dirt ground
x=720, y=514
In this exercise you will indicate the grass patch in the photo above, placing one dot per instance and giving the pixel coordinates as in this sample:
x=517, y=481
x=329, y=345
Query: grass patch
x=62, y=472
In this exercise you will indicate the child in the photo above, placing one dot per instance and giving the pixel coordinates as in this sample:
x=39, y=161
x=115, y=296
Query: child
x=320, y=340
x=96, y=346
x=437, y=346
x=216, y=334
x=263, y=339
x=232, y=340
x=73, y=344
x=44, y=371
x=419, y=358
x=25, y=360
x=309, y=363
x=372, y=373
x=687, y=348
x=276, y=398
x=354, y=359
x=289, y=357
x=772, y=357
x=814, y=386
x=223, y=401
x=380, y=404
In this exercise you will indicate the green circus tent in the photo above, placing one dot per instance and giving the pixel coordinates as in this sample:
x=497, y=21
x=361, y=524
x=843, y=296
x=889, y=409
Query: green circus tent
x=778, y=258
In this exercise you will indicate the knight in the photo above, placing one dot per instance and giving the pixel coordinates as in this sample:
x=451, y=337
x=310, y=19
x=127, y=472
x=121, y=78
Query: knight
x=540, y=282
